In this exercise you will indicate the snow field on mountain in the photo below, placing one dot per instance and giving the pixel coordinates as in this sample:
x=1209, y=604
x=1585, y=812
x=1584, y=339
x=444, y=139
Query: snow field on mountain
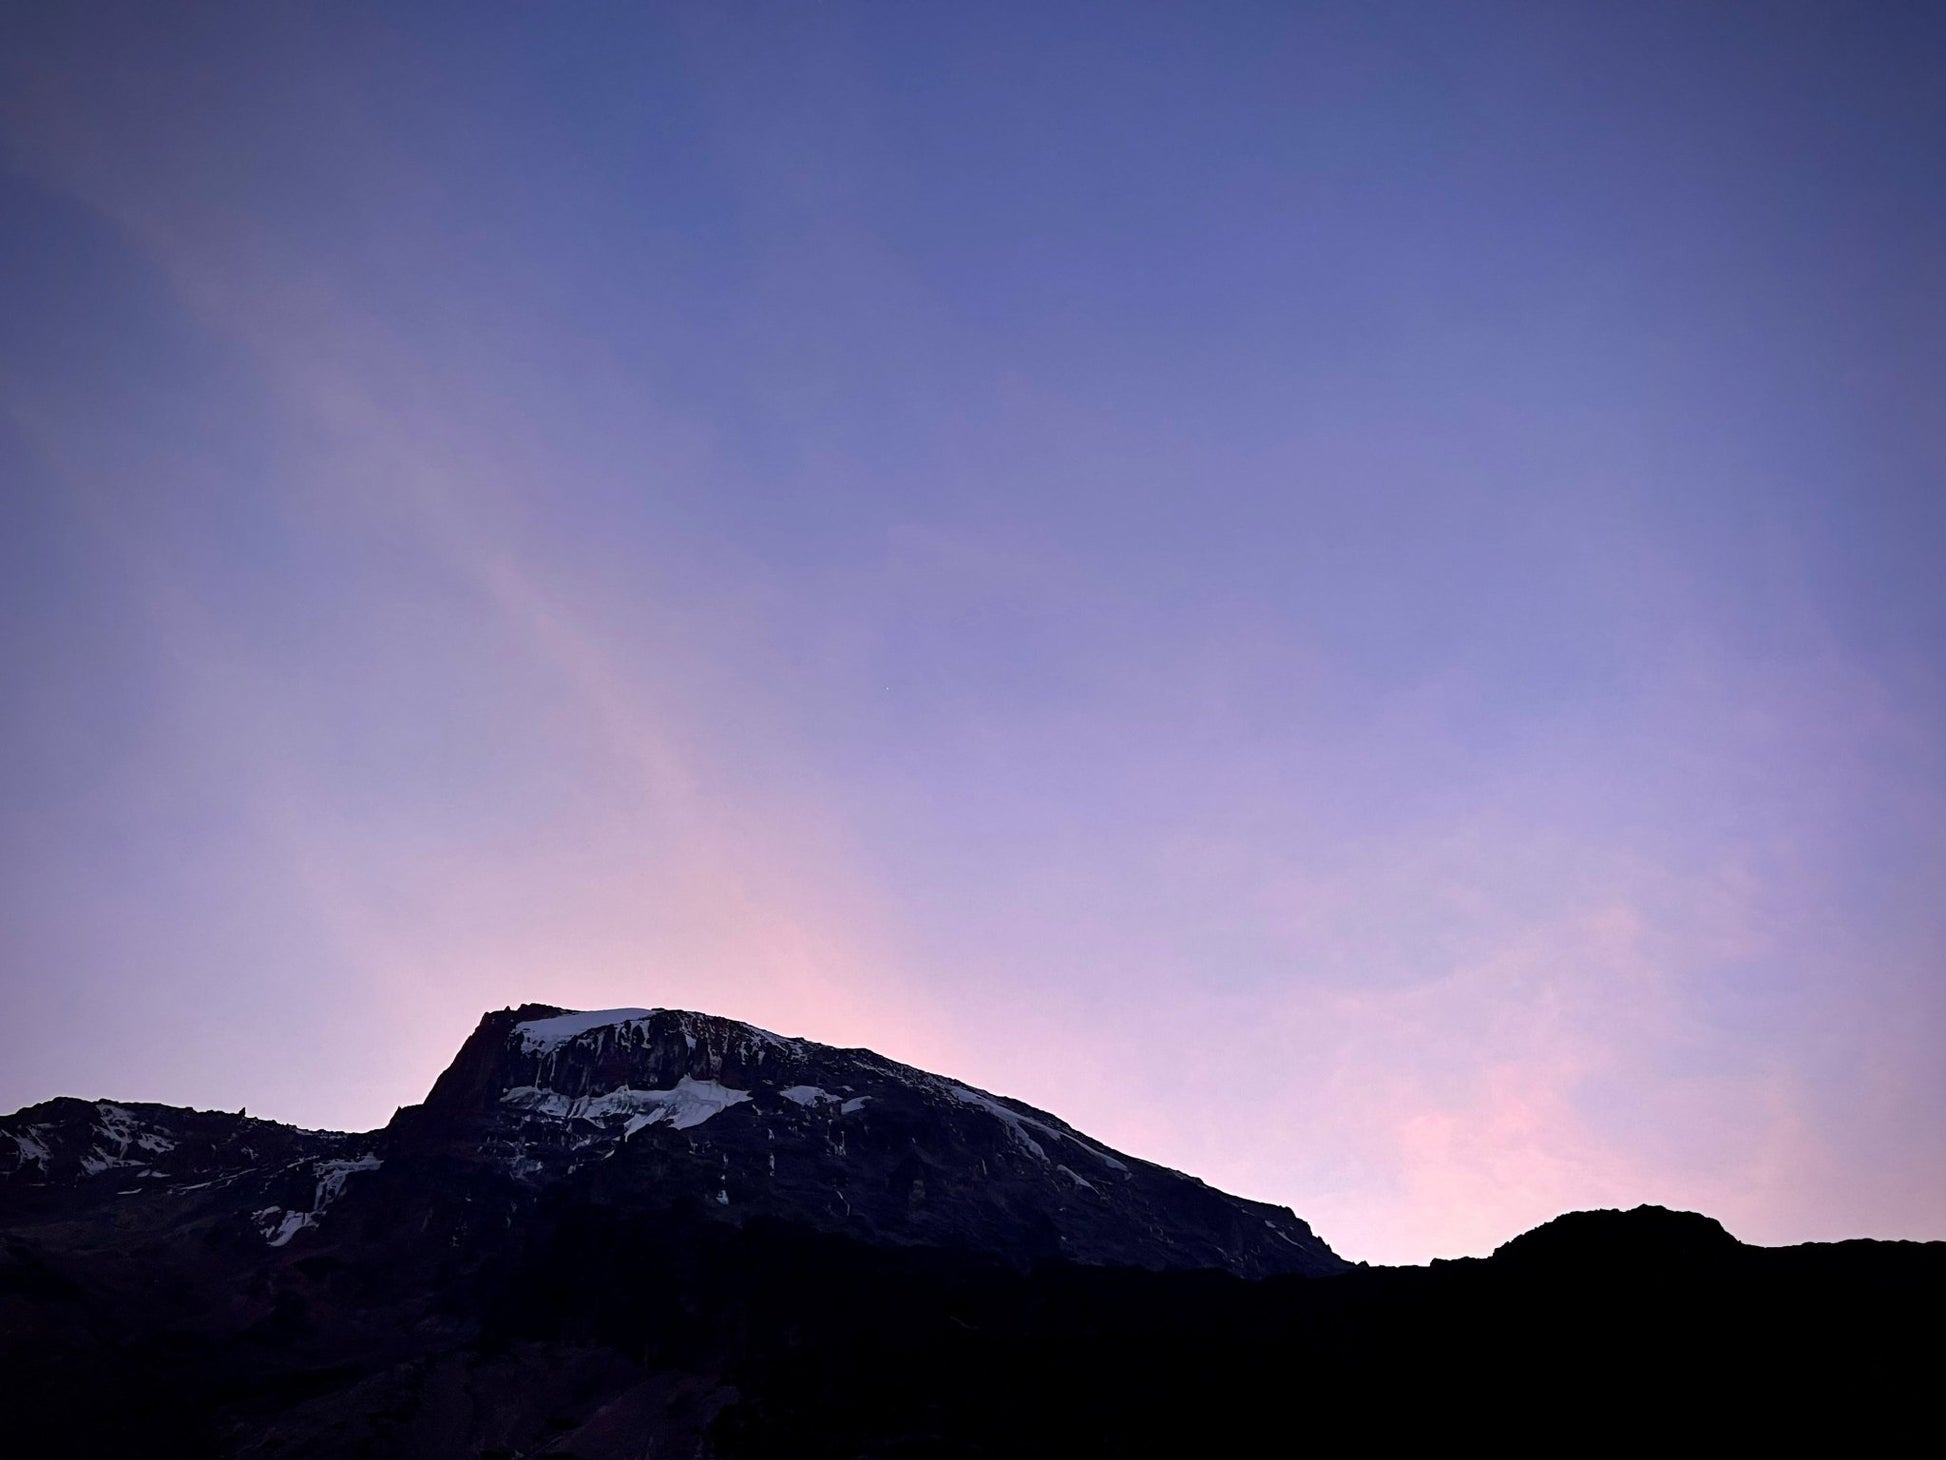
x=689, y=1104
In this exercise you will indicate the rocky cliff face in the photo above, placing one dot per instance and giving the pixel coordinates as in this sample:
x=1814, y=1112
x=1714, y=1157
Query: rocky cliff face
x=130, y=1166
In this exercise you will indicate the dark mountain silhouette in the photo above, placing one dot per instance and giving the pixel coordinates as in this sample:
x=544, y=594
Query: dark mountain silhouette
x=642, y=1110
x=659, y=1233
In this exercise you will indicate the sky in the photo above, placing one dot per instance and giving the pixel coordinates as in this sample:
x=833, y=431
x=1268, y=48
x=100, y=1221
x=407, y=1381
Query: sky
x=1345, y=596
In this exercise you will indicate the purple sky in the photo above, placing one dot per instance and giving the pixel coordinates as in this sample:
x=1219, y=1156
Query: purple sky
x=1349, y=597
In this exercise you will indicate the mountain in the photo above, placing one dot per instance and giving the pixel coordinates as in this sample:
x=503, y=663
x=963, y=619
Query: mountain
x=650, y=1109
x=645, y=1107
x=654, y=1232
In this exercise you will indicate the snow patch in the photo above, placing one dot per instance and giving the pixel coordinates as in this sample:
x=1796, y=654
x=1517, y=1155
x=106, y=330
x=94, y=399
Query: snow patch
x=689, y=1104
x=775, y=1041
x=119, y=1128
x=31, y=1149
x=1018, y=1124
x=810, y=1096
x=291, y=1224
x=332, y=1176
x=1277, y=1231
x=544, y=1036
x=279, y=1226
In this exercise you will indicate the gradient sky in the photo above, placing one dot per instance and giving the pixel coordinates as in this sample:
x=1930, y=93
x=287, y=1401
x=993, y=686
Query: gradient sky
x=1348, y=596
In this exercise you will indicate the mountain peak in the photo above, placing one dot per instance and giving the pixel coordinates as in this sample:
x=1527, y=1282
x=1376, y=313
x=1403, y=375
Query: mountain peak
x=650, y=1106
x=659, y=1110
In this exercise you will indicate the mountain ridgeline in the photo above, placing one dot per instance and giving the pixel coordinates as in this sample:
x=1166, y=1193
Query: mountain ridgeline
x=656, y=1232
x=639, y=1108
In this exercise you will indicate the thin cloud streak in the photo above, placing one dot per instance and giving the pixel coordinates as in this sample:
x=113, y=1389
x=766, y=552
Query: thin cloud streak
x=741, y=908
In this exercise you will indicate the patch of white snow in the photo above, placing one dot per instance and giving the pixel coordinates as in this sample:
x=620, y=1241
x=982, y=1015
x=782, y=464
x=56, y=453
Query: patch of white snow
x=1019, y=1124
x=31, y=1150
x=332, y=1176
x=542, y=1036
x=689, y=1104
x=1016, y=1124
x=1277, y=1231
x=292, y=1224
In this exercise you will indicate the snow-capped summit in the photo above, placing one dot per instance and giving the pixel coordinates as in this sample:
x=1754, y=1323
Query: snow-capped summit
x=658, y=1106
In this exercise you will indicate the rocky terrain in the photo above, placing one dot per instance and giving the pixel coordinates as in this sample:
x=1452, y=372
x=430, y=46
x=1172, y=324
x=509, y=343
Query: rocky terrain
x=646, y=1109
x=655, y=1232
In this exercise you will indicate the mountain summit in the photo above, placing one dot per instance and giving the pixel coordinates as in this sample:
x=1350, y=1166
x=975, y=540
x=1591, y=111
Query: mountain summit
x=652, y=1110
x=648, y=1106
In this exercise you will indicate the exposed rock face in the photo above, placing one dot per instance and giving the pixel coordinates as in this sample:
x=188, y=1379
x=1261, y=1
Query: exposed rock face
x=646, y=1107
x=64, y=1159
x=67, y=1144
